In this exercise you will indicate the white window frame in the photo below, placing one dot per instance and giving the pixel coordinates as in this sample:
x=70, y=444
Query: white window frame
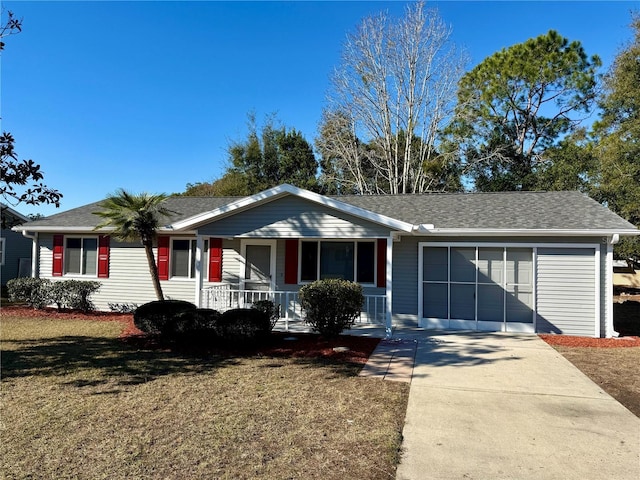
x=318, y=242
x=193, y=247
x=82, y=238
x=272, y=260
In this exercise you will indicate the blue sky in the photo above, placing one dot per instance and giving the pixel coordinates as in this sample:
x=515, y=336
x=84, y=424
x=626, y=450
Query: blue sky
x=148, y=95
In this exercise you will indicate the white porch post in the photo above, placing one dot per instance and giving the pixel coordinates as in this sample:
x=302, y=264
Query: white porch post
x=198, y=292
x=389, y=267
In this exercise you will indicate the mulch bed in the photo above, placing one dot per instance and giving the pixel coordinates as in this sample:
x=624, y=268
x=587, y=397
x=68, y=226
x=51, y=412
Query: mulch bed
x=345, y=348
x=571, y=341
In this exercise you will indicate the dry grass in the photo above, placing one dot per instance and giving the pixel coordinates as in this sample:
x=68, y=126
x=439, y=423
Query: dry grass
x=77, y=402
x=614, y=369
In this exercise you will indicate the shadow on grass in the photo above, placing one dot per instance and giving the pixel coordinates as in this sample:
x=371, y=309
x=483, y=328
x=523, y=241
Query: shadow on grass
x=99, y=360
x=102, y=359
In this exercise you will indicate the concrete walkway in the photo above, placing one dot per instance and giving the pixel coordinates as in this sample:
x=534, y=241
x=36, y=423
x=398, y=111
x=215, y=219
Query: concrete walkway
x=505, y=406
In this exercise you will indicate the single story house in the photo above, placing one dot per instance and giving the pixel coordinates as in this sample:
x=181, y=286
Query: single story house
x=15, y=249
x=513, y=261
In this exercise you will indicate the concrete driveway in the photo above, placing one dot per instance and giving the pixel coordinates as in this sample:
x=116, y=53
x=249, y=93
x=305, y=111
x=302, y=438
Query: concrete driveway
x=507, y=406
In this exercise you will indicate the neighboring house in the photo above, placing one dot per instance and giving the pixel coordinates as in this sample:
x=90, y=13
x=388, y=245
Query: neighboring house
x=15, y=249
x=626, y=275
x=517, y=262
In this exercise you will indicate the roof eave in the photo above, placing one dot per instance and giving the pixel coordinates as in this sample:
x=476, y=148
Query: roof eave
x=281, y=191
x=490, y=232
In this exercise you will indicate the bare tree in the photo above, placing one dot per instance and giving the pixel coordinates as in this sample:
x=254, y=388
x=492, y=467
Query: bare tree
x=394, y=90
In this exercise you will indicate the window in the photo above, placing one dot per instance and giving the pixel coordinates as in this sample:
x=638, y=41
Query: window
x=81, y=256
x=334, y=259
x=183, y=258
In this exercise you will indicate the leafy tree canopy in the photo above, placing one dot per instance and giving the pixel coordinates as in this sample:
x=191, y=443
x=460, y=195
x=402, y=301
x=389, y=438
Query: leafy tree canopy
x=268, y=157
x=617, y=143
x=518, y=103
x=136, y=217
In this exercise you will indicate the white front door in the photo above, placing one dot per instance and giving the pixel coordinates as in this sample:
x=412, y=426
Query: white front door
x=258, y=271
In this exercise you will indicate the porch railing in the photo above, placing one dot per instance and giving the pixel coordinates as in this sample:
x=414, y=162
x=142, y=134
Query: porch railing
x=224, y=297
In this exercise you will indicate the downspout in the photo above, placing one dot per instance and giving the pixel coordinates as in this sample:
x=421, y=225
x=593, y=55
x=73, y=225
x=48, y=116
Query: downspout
x=34, y=252
x=609, y=331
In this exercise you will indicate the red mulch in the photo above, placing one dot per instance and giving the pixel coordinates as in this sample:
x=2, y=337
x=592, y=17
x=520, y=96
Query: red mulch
x=305, y=345
x=571, y=341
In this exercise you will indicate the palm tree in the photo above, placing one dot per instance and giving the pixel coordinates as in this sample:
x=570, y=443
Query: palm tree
x=136, y=217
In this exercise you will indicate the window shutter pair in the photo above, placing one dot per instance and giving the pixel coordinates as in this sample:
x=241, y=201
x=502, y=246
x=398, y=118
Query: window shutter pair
x=215, y=258
x=103, y=256
x=291, y=262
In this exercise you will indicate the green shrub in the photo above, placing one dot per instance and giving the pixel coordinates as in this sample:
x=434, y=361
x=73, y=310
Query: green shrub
x=153, y=317
x=243, y=326
x=197, y=326
x=58, y=294
x=270, y=309
x=123, y=307
x=32, y=291
x=331, y=305
x=78, y=293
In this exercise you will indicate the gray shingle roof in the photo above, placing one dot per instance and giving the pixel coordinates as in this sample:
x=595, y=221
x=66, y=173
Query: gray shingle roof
x=503, y=210
x=495, y=211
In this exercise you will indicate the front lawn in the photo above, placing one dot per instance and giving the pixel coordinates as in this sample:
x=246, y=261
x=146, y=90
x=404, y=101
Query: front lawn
x=79, y=402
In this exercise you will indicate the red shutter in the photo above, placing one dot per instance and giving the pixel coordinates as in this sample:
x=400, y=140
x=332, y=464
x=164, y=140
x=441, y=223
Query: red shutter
x=215, y=259
x=58, y=255
x=163, y=258
x=382, y=262
x=103, y=256
x=291, y=261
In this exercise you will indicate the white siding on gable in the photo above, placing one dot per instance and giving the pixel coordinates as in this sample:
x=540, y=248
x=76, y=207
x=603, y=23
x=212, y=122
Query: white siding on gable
x=566, y=291
x=292, y=217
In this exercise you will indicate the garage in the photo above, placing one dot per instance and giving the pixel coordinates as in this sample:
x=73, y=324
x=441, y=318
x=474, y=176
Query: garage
x=535, y=288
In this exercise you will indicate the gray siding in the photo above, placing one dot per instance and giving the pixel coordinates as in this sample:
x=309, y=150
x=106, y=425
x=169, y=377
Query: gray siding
x=405, y=276
x=291, y=217
x=405, y=263
x=16, y=246
x=566, y=298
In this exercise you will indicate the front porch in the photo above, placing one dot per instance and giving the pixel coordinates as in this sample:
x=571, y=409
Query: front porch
x=227, y=296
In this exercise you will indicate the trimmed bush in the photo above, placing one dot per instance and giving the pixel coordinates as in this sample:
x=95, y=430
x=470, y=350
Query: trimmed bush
x=331, y=305
x=243, y=326
x=77, y=292
x=270, y=309
x=32, y=291
x=123, y=307
x=153, y=317
x=40, y=292
x=194, y=325
x=58, y=294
